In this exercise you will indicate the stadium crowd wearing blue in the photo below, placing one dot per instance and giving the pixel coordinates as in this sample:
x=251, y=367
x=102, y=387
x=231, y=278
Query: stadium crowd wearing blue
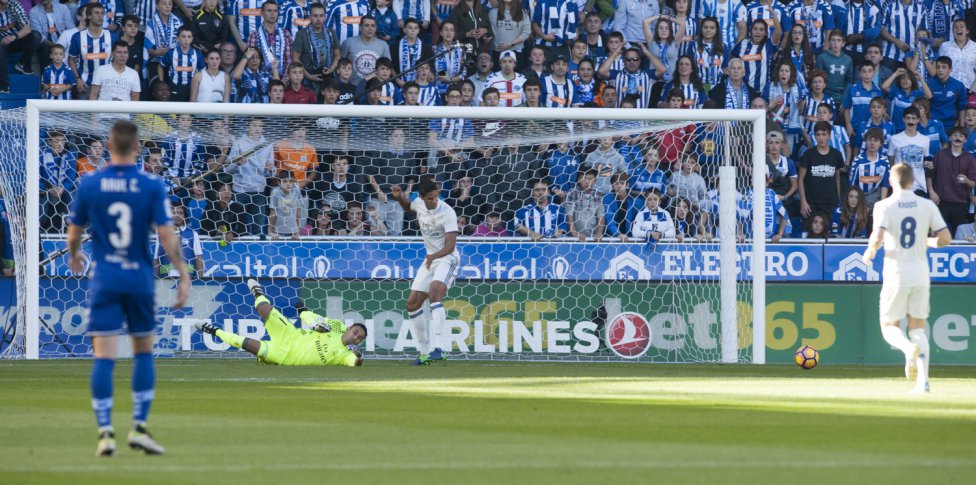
x=852, y=66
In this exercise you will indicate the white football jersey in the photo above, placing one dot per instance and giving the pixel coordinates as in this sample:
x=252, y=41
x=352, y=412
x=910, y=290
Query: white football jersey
x=435, y=224
x=907, y=220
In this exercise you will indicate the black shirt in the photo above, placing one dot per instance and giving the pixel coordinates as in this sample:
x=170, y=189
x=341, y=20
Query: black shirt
x=819, y=182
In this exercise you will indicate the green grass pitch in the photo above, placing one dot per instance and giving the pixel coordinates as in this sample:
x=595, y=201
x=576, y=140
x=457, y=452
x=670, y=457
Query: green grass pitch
x=233, y=421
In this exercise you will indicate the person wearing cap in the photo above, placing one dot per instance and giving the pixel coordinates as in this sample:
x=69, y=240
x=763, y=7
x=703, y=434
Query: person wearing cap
x=557, y=90
x=507, y=81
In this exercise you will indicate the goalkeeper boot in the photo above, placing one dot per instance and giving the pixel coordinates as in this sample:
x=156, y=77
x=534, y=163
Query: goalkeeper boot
x=106, y=444
x=206, y=327
x=911, y=362
x=437, y=354
x=422, y=360
x=255, y=288
x=140, y=439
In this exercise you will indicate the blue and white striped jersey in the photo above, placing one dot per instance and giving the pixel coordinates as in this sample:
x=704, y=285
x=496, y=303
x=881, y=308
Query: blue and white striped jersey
x=647, y=221
x=162, y=33
x=862, y=18
x=247, y=15
x=429, y=95
x=857, y=98
x=838, y=138
x=817, y=18
x=294, y=17
x=729, y=13
x=556, y=95
x=543, y=220
x=253, y=87
x=810, y=110
x=710, y=64
x=901, y=21
x=418, y=10
x=555, y=17
x=857, y=141
x=58, y=170
x=181, y=65
x=442, y=8
x=144, y=9
x=638, y=83
x=758, y=11
x=454, y=130
x=344, y=17
x=757, y=59
x=114, y=11
x=62, y=76
x=183, y=157
x=939, y=17
x=90, y=53
x=870, y=175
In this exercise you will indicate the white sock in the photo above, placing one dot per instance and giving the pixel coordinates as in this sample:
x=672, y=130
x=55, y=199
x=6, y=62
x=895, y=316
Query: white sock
x=920, y=337
x=438, y=324
x=419, y=322
x=897, y=339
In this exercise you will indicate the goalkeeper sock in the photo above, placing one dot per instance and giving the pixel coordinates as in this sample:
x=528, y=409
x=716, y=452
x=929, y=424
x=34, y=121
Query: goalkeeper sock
x=261, y=299
x=897, y=339
x=438, y=322
x=143, y=387
x=419, y=322
x=233, y=339
x=101, y=389
x=920, y=337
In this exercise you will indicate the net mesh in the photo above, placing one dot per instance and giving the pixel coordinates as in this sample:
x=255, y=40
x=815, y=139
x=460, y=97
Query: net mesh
x=563, y=254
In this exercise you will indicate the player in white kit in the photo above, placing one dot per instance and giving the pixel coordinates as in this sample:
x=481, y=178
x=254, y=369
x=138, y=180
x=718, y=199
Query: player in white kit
x=902, y=223
x=438, y=225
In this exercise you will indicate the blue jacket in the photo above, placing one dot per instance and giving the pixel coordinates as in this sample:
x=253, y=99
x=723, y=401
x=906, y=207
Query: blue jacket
x=611, y=204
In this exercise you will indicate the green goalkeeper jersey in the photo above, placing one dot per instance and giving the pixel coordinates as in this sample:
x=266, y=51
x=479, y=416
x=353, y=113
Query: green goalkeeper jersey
x=307, y=347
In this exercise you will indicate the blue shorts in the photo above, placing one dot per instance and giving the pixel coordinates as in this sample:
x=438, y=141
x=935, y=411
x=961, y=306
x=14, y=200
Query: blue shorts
x=108, y=310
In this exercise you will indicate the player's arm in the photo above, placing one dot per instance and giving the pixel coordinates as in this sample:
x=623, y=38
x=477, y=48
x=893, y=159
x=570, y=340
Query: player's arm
x=941, y=239
x=74, y=247
x=877, y=233
x=171, y=243
x=401, y=197
x=450, y=243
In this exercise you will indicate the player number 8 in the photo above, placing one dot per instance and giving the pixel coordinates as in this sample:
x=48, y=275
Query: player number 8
x=123, y=238
x=908, y=226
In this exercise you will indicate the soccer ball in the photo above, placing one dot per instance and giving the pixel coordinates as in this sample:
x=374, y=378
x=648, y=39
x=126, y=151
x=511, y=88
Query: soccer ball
x=807, y=357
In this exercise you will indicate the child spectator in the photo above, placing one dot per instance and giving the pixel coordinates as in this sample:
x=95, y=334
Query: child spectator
x=225, y=218
x=934, y=129
x=652, y=223
x=685, y=222
x=190, y=248
x=857, y=98
x=606, y=161
x=819, y=172
x=837, y=67
x=94, y=159
x=347, y=89
x=196, y=205
x=949, y=95
x=58, y=178
x=838, y=138
x=563, y=166
x=584, y=209
x=909, y=86
x=210, y=85
x=387, y=24
x=287, y=209
x=648, y=176
x=850, y=220
x=324, y=223
x=493, y=226
x=358, y=225
x=621, y=207
x=785, y=97
x=57, y=79
x=296, y=92
x=870, y=169
x=687, y=183
x=295, y=157
x=816, y=227
x=179, y=64
x=879, y=106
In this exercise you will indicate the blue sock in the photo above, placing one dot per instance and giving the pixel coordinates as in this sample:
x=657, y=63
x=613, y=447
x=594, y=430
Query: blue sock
x=143, y=387
x=101, y=389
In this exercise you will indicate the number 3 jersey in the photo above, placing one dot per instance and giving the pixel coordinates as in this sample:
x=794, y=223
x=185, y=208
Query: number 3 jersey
x=122, y=204
x=907, y=220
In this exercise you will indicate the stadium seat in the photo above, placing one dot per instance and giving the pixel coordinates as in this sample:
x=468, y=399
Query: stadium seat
x=19, y=100
x=25, y=84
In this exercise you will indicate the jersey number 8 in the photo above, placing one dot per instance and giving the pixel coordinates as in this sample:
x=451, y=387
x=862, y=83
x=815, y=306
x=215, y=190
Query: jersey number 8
x=908, y=226
x=123, y=238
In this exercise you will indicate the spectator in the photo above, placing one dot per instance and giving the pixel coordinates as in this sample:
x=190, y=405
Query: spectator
x=380, y=90
x=276, y=92
x=910, y=86
x=341, y=18
x=621, y=207
x=295, y=16
x=757, y=54
x=708, y=52
x=709, y=147
x=838, y=139
x=819, y=174
x=81, y=23
x=296, y=92
x=607, y=161
x=873, y=56
x=965, y=232
x=970, y=125
x=922, y=57
x=784, y=97
x=250, y=174
x=949, y=95
x=409, y=51
x=225, y=218
x=796, y=49
x=584, y=209
x=629, y=16
x=954, y=179
x=210, y=27
x=536, y=63
x=58, y=178
x=492, y=226
x=116, y=81
x=816, y=17
x=687, y=81
x=467, y=93
x=816, y=226
x=6, y=244
x=196, y=205
x=153, y=163
x=878, y=108
x=510, y=27
x=838, y=67
x=648, y=176
x=652, y=223
x=507, y=81
x=294, y=156
x=413, y=9
x=913, y=148
x=777, y=221
x=632, y=80
x=190, y=248
x=254, y=79
x=357, y=224
x=57, y=80
x=961, y=50
x=49, y=19
x=900, y=19
x=324, y=223
x=557, y=90
x=540, y=218
x=16, y=37
x=857, y=99
x=348, y=92
x=734, y=93
x=687, y=183
x=563, y=166
x=228, y=61
x=507, y=171
x=245, y=18
x=451, y=66
x=364, y=50
x=466, y=199
x=89, y=49
x=338, y=186
x=811, y=102
x=180, y=64
x=183, y=150
x=586, y=87
x=273, y=41
x=532, y=95
x=387, y=25
x=316, y=47
x=685, y=222
x=211, y=85
x=162, y=30
x=483, y=67
x=782, y=171
x=934, y=129
x=136, y=41
x=592, y=35
x=850, y=220
x=448, y=136
x=473, y=26
x=397, y=166
x=287, y=209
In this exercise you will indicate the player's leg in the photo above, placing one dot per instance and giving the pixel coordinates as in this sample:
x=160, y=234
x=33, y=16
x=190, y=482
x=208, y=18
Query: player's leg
x=415, y=309
x=274, y=322
x=918, y=312
x=104, y=348
x=893, y=307
x=444, y=273
x=141, y=316
x=232, y=339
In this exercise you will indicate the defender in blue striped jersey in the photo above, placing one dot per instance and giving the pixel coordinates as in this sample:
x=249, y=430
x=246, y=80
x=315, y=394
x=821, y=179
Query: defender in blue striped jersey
x=900, y=20
x=540, y=217
x=757, y=55
x=554, y=22
x=343, y=18
x=90, y=48
x=121, y=204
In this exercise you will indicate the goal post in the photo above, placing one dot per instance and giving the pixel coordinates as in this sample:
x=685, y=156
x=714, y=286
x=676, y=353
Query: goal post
x=740, y=303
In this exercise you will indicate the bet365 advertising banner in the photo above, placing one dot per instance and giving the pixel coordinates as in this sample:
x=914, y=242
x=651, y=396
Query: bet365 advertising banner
x=650, y=322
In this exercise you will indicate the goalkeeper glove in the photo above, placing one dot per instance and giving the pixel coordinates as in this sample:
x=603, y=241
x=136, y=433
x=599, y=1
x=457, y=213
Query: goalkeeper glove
x=322, y=327
x=354, y=349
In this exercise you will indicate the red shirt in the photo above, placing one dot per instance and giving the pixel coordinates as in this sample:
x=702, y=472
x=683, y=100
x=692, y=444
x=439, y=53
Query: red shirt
x=302, y=96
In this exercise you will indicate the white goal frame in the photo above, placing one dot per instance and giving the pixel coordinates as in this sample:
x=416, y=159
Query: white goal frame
x=728, y=256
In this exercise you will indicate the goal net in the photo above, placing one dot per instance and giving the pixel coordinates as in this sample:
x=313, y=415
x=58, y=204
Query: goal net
x=585, y=234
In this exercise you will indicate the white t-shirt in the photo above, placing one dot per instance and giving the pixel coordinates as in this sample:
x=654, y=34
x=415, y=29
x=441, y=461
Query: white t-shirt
x=435, y=224
x=911, y=150
x=907, y=220
x=116, y=86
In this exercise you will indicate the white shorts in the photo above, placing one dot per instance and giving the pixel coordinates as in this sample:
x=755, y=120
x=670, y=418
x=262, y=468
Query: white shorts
x=897, y=302
x=444, y=270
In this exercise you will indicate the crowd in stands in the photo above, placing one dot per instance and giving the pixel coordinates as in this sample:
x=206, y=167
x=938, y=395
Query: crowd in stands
x=850, y=88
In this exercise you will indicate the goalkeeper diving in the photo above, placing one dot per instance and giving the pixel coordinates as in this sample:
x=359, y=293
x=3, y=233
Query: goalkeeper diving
x=329, y=342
